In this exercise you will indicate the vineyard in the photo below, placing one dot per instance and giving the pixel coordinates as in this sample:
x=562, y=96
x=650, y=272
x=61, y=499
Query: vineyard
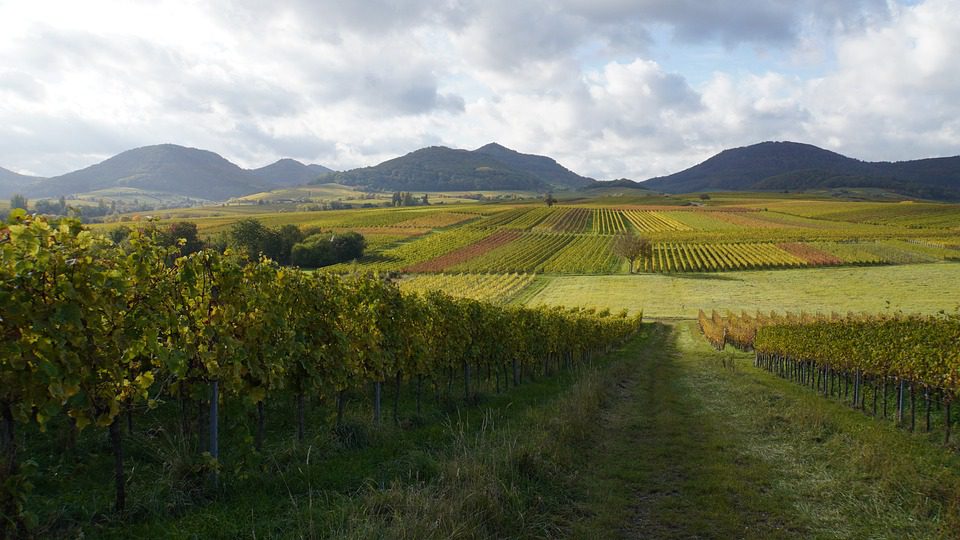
x=654, y=221
x=98, y=334
x=585, y=255
x=608, y=221
x=524, y=254
x=566, y=220
x=577, y=240
x=881, y=364
x=180, y=378
x=466, y=253
x=494, y=288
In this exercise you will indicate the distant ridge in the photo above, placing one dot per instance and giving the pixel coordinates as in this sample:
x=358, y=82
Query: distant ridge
x=543, y=167
x=797, y=166
x=169, y=169
x=288, y=172
x=438, y=168
x=771, y=166
x=619, y=183
x=11, y=182
x=166, y=168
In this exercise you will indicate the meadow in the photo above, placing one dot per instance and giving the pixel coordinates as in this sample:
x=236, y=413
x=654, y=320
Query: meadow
x=742, y=251
x=916, y=288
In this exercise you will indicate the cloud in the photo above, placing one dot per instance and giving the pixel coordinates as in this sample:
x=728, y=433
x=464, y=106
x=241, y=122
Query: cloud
x=610, y=88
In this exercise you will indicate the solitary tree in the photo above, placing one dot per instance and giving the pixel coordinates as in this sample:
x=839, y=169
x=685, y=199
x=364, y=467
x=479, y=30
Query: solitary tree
x=18, y=201
x=549, y=199
x=632, y=247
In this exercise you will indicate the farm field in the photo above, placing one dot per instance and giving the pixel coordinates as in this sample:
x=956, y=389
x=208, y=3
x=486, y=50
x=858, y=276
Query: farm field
x=919, y=288
x=494, y=288
x=737, y=254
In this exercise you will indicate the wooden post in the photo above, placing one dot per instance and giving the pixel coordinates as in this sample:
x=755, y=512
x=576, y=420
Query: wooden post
x=261, y=428
x=900, y=402
x=376, y=402
x=301, y=414
x=116, y=443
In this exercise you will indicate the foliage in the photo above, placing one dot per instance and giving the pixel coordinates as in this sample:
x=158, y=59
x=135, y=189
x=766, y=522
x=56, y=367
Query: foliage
x=92, y=327
x=325, y=249
x=920, y=349
x=494, y=288
x=18, y=201
x=183, y=235
x=438, y=168
x=632, y=248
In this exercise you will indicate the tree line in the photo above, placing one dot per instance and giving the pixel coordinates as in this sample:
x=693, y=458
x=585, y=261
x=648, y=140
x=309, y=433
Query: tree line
x=287, y=245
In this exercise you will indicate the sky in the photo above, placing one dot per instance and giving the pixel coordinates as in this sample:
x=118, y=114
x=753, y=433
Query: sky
x=609, y=88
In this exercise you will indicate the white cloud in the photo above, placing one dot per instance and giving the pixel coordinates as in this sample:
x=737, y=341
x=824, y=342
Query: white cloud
x=349, y=84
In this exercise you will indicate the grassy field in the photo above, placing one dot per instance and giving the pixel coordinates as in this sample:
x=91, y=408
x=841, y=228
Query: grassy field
x=921, y=288
x=696, y=443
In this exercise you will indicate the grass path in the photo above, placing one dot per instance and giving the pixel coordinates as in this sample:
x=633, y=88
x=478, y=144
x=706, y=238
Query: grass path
x=692, y=449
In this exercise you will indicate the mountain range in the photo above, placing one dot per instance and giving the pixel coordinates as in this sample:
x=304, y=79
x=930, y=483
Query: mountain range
x=165, y=168
x=777, y=166
x=767, y=166
x=438, y=168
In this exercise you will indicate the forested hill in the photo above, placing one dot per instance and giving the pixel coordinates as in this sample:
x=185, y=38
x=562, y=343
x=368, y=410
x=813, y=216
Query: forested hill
x=169, y=169
x=795, y=166
x=11, y=182
x=289, y=172
x=166, y=168
x=543, y=167
x=438, y=168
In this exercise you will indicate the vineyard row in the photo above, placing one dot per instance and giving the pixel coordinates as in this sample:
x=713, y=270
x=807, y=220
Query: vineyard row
x=92, y=328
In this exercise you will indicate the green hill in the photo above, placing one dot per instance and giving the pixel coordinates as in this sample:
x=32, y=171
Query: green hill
x=796, y=166
x=438, y=168
x=11, y=182
x=289, y=172
x=544, y=168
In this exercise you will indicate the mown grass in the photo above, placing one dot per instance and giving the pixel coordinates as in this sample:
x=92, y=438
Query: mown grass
x=920, y=288
x=702, y=445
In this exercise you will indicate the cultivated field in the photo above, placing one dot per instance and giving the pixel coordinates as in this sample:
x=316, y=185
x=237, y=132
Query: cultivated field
x=920, y=288
x=355, y=408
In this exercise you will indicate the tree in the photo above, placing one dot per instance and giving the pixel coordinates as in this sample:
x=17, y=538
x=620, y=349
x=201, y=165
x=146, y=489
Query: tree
x=253, y=239
x=314, y=252
x=287, y=236
x=549, y=199
x=632, y=247
x=248, y=236
x=119, y=234
x=348, y=246
x=182, y=230
x=324, y=249
x=18, y=201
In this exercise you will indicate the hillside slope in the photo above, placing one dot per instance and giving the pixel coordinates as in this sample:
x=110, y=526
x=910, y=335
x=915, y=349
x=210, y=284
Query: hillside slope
x=11, y=182
x=438, y=168
x=790, y=165
x=543, y=167
x=288, y=172
x=167, y=168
